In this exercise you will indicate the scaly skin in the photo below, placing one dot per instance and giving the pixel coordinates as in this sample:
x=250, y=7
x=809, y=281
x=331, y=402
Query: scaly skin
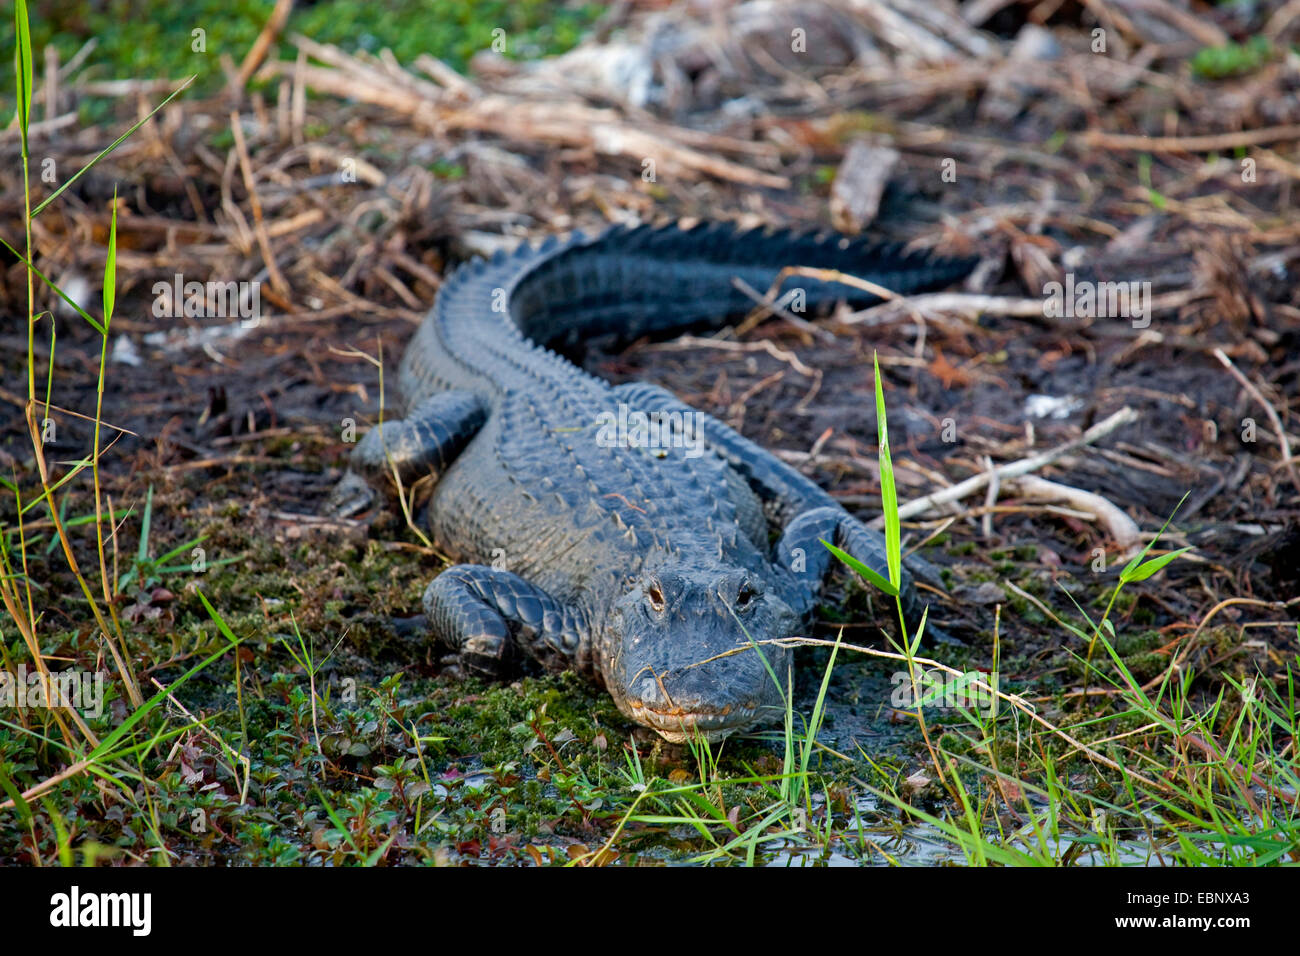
x=649, y=569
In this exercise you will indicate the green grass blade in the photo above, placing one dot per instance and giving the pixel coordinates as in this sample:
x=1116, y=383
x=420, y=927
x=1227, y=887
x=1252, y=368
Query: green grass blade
x=110, y=267
x=23, y=70
x=142, y=551
x=94, y=322
x=869, y=573
x=1148, y=568
x=888, y=490
x=140, y=713
x=112, y=146
x=1137, y=558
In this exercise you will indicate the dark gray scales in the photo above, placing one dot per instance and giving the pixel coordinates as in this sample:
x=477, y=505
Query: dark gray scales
x=644, y=564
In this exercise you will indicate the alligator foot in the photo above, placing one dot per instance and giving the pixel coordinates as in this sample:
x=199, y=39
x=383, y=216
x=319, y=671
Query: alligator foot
x=490, y=617
x=351, y=496
x=425, y=442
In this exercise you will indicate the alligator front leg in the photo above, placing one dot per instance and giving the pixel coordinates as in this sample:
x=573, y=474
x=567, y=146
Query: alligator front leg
x=491, y=617
x=425, y=442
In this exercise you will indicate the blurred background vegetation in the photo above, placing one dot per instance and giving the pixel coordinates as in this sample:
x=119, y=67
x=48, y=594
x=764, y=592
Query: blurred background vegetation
x=147, y=39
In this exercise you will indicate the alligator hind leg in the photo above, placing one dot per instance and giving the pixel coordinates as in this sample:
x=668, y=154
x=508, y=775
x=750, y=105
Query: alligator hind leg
x=490, y=617
x=800, y=551
x=425, y=442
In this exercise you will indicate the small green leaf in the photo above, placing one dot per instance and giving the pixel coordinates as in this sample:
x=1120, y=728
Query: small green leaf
x=110, y=266
x=142, y=553
x=1137, y=558
x=1134, y=561
x=920, y=629
x=875, y=577
x=1148, y=568
x=888, y=490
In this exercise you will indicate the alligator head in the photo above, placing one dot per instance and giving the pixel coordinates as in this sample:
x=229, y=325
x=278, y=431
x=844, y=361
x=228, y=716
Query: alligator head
x=679, y=658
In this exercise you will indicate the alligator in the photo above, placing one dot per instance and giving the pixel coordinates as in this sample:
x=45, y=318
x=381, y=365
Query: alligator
x=613, y=529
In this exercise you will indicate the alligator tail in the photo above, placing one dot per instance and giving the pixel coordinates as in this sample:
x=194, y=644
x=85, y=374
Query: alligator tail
x=640, y=281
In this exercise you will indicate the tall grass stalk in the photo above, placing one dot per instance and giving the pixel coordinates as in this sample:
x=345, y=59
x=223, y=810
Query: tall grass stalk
x=16, y=583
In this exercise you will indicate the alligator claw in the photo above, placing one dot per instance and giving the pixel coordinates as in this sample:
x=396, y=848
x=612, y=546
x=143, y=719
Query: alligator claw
x=351, y=496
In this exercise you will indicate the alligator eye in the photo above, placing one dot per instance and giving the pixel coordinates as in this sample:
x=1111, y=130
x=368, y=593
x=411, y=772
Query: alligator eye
x=656, y=597
x=746, y=596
